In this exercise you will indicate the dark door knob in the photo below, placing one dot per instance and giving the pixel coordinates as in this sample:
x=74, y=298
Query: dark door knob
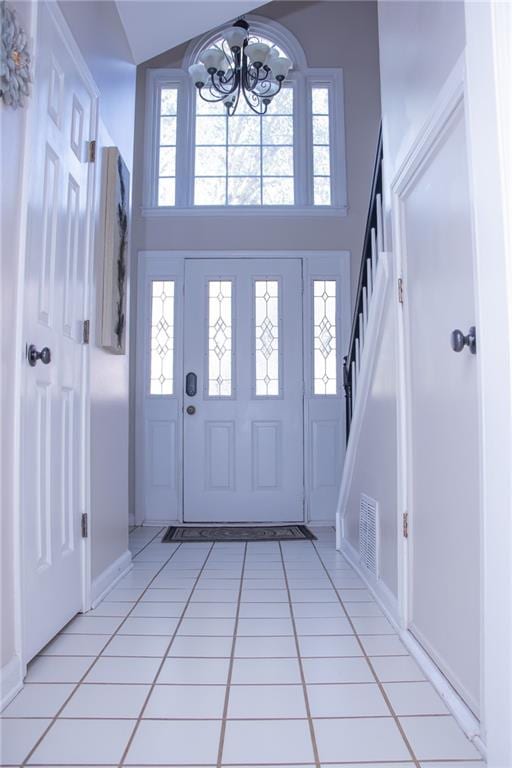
x=191, y=410
x=459, y=341
x=45, y=356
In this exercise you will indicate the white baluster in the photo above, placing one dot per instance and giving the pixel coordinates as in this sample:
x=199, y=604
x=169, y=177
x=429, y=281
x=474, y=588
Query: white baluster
x=369, y=277
x=374, y=255
x=365, y=308
x=380, y=230
x=361, y=332
x=353, y=376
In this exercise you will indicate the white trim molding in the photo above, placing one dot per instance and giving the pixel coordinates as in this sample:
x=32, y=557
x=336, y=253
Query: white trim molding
x=489, y=115
x=170, y=265
x=106, y=581
x=11, y=681
x=301, y=80
x=259, y=25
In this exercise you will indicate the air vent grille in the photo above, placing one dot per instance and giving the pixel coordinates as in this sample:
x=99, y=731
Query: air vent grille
x=368, y=533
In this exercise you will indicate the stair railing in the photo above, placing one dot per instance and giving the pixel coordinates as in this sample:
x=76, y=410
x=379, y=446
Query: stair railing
x=372, y=246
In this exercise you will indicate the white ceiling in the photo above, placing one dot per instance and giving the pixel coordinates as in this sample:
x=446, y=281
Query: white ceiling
x=155, y=26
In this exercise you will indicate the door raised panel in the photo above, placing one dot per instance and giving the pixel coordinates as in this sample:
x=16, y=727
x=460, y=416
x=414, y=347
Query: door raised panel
x=55, y=92
x=67, y=469
x=43, y=480
x=162, y=453
x=71, y=253
x=49, y=233
x=77, y=127
x=219, y=441
x=325, y=451
x=266, y=455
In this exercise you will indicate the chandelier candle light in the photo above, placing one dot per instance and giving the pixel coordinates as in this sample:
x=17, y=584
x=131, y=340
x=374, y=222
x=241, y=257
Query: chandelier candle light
x=241, y=65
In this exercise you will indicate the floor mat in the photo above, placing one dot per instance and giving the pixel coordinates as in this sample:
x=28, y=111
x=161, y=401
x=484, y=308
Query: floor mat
x=238, y=533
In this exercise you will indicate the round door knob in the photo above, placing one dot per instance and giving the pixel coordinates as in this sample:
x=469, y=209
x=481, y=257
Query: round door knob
x=191, y=410
x=45, y=355
x=459, y=340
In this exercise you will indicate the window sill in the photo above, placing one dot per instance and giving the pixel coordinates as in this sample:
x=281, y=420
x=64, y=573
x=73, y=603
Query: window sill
x=245, y=210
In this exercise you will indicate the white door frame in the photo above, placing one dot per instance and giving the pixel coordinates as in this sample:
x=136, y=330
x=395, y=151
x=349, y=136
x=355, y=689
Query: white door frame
x=452, y=98
x=487, y=64
x=174, y=257
x=20, y=340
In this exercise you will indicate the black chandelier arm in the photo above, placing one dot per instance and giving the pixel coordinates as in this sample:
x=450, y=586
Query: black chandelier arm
x=227, y=77
x=209, y=101
x=218, y=84
x=263, y=107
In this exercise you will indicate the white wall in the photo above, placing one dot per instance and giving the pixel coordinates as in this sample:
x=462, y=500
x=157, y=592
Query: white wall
x=375, y=468
x=419, y=44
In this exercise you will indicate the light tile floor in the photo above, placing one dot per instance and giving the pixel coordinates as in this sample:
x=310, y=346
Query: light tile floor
x=262, y=654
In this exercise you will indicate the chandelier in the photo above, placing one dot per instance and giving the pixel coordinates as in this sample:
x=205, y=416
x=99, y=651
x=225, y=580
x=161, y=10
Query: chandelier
x=240, y=66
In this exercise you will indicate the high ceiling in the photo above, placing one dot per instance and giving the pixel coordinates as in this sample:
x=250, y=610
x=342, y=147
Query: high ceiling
x=155, y=26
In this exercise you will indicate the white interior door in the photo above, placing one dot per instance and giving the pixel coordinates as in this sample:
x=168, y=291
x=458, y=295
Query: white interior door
x=443, y=410
x=54, y=311
x=243, y=402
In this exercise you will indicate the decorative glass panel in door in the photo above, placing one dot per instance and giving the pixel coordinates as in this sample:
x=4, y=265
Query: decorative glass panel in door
x=243, y=427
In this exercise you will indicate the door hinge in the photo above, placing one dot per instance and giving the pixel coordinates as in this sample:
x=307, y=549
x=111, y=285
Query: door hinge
x=400, y=290
x=405, y=525
x=91, y=151
x=86, y=332
x=85, y=525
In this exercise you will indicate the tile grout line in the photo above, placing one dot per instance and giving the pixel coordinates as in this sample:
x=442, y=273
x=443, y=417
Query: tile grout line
x=370, y=665
x=160, y=666
x=301, y=666
x=231, y=664
x=147, y=544
x=90, y=667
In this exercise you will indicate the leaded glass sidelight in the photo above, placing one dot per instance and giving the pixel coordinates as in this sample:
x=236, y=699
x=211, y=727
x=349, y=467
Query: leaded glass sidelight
x=220, y=335
x=324, y=337
x=266, y=317
x=162, y=338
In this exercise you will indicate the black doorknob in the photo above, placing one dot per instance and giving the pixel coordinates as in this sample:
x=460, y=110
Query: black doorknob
x=45, y=356
x=459, y=341
x=191, y=410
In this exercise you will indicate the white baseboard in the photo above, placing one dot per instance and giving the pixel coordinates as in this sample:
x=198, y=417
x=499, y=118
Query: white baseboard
x=389, y=604
x=107, y=580
x=381, y=592
x=11, y=681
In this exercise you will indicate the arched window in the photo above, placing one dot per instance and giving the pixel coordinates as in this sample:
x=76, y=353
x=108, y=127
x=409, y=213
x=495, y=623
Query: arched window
x=289, y=160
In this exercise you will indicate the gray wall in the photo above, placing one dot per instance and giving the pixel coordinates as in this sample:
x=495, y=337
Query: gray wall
x=419, y=43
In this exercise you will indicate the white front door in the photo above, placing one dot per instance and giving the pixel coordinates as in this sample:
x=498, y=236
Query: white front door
x=243, y=402
x=54, y=311
x=443, y=407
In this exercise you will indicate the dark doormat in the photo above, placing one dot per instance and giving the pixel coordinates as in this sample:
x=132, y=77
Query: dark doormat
x=238, y=533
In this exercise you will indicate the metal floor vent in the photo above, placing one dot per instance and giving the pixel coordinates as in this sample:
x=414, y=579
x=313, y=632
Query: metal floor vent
x=368, y=533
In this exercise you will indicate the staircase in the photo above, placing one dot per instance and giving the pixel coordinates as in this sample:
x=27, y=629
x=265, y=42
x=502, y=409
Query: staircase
x=373, y=245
